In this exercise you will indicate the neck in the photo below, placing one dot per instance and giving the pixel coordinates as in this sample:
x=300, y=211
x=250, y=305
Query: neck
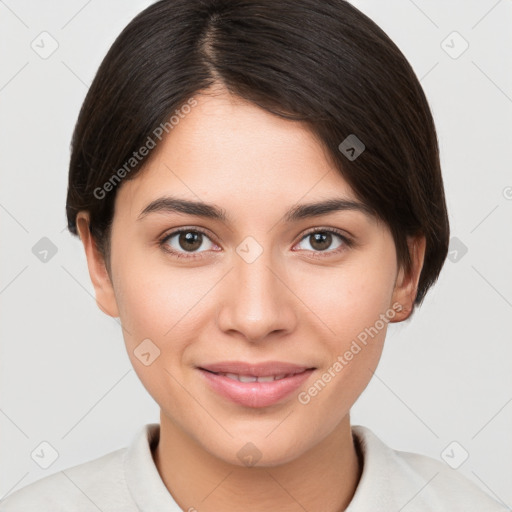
x=323, y=478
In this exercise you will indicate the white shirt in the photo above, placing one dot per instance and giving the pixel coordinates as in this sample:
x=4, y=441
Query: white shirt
x=127, y=480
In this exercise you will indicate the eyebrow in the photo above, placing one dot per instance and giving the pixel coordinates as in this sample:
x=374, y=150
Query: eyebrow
x=170, y=204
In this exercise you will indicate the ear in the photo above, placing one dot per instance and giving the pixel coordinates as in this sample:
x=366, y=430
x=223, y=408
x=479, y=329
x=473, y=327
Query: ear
x=406, y=285
x=105, y=297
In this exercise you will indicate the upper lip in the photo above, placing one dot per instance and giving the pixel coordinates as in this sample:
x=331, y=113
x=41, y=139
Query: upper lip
x=268, y=368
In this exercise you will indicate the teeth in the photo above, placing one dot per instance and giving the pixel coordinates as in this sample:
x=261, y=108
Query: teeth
x=270, y=378
x=247, y=378
x=232, y=376
x=252, y=378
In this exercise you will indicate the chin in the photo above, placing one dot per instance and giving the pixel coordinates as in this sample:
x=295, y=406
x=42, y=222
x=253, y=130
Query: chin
x=258, y=450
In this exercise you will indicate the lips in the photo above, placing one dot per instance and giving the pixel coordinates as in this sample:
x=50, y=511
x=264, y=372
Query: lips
x=255, y=385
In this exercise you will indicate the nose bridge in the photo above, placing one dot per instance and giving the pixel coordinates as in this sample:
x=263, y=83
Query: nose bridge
x=256, y=301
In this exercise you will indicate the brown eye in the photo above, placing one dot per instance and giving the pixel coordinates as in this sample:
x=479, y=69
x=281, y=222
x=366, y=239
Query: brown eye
x=320, y=241
x=190, y=240
x=329, y=241
x=184, y=241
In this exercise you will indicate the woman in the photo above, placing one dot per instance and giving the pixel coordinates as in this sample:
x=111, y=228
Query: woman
x=258, y=191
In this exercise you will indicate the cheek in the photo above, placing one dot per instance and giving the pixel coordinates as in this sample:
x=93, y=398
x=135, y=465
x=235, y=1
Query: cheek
x=353, y=300
x=165, y=305
x=158, y=304
x=157, y=314
x=350, y=297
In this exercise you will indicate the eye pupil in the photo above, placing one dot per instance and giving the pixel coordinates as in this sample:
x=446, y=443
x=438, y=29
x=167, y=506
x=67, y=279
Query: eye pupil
x=190, y=240
x=324, y=239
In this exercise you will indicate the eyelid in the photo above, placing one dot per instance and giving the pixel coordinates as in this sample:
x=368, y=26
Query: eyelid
x=175, y=231
x=326, y=229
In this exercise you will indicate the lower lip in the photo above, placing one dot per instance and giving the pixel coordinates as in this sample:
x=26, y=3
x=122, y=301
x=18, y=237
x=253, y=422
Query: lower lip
x=255, y=394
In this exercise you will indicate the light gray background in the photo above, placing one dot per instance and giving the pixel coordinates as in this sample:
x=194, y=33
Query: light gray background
x=64, y=374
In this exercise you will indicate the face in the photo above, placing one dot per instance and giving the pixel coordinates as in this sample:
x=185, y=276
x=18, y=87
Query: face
x=263, y=288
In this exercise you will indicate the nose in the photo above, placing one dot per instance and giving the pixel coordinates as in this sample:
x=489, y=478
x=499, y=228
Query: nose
x=256, y=302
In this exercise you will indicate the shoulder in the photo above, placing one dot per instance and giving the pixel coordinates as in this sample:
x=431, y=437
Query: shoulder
x=98, y=484
x=393, y=478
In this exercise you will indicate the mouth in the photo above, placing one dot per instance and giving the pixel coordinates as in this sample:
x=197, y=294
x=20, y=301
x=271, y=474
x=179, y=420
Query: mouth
x=250, y=385
x=254, y=378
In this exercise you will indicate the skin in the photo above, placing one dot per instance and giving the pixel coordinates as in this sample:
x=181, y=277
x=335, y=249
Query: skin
x=286, y=305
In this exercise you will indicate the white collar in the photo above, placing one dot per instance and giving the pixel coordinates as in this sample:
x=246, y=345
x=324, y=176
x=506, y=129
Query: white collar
x=142, y=477
x=390, y=481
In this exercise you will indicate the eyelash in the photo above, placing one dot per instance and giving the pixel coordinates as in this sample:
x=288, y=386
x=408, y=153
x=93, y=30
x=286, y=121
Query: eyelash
x=347, y=242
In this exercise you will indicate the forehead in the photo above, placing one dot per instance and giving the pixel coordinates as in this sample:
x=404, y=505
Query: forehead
x=228, y=151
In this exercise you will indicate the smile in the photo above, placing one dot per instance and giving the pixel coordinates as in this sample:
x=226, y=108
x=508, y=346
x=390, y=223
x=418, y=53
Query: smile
x=258, y=386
